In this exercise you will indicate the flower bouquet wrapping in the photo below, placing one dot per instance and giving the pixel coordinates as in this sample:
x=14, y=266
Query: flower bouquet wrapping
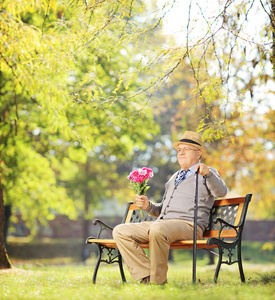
x=139, y=179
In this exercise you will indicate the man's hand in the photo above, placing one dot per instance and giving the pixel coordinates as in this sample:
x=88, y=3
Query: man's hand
x=203, y=169
x=142, y=201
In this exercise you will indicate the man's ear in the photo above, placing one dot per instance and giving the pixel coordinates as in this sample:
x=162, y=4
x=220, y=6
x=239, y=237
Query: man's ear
x=200, y=155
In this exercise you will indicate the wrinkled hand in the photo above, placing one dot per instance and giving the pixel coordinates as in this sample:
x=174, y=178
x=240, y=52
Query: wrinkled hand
x=203, y=169
x=142, y=201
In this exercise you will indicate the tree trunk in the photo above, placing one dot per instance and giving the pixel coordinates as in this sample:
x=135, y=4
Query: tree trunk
x=211, y=258
x=272, y=17
x=4, y=259
x=86, y=248
x=7, y=210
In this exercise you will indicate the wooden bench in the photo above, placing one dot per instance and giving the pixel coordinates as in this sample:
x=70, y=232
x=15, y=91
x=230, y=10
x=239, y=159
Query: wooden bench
x=224, y=232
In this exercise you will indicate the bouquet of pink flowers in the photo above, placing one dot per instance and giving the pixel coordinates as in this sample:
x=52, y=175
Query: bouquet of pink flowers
x=139, y=179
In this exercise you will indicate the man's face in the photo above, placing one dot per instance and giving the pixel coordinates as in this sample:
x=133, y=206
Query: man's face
x=188, y=156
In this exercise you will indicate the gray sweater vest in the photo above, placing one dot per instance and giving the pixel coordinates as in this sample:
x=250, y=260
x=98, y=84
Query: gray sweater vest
x=178, y=202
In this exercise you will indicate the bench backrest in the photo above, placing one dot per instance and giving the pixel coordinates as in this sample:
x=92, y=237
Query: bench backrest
x=231, y=210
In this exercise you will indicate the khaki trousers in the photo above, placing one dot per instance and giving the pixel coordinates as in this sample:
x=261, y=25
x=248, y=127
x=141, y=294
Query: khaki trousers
x=160, y=234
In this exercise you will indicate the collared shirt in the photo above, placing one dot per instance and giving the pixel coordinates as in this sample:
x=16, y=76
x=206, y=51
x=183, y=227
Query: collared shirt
x=191, y=171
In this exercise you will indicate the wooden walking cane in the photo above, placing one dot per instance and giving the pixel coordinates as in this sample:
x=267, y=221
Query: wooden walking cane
x=195, y=229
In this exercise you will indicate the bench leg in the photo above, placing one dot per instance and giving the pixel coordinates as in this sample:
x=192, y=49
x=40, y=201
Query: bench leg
x=218, y=265
x=121, y=268
x=112, y=259
x=240, y=263
x=100, y=249
x=229, y=262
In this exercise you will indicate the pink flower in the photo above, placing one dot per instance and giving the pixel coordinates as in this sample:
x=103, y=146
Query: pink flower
x=140, y=175
x=139, y=179
x=148, y=173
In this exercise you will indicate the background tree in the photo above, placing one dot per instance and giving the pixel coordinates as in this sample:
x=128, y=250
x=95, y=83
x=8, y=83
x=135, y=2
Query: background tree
x=232, y=60
x=51, y=108
x=230, y=56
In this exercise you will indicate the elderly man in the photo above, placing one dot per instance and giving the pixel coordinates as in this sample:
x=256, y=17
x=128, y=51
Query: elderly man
x=175, y=214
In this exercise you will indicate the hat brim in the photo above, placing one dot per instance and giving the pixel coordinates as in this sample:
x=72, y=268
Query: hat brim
x=202, y=149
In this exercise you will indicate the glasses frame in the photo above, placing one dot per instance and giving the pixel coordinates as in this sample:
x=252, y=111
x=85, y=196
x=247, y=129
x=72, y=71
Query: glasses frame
x=186, y=149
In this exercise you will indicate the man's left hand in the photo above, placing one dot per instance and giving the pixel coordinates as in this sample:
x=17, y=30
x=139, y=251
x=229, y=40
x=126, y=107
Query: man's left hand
x=203, y=169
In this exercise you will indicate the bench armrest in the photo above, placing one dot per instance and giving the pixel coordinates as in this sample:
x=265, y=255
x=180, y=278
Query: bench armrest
x=223, y=225
x=102, y=224
x=102, y=227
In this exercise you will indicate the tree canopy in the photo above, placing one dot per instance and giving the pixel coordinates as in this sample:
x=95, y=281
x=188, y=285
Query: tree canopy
x=68, y=76
x=66, y=86
x=231, y=57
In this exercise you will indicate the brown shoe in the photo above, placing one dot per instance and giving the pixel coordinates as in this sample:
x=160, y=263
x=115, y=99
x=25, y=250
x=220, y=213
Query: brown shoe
x=164, y=282
x=145, y=280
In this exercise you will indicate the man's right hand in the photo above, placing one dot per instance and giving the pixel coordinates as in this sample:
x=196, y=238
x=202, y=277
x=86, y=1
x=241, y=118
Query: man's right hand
x=142, y=201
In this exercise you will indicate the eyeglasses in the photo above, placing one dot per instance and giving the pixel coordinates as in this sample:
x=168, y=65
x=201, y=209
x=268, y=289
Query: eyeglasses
x=187, y=149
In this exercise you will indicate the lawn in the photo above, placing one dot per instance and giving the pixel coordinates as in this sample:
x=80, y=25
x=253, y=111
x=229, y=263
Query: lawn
x=74, y=281
x=52, y=269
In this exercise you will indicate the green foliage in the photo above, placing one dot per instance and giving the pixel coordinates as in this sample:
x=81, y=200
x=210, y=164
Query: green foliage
x=68, y=74
x=231, y=59
x=34, y=182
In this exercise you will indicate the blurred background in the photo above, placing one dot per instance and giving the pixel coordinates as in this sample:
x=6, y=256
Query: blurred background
x=92, y=90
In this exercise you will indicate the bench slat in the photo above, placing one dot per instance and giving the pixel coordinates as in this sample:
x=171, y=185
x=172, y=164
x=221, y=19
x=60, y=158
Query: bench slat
x=239, y=213
x=229, y=201
x=218, y=202
x=215, y=233
x=187, y=244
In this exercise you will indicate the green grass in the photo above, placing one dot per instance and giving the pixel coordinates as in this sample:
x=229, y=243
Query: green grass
x=50, y=269
x=37, y=281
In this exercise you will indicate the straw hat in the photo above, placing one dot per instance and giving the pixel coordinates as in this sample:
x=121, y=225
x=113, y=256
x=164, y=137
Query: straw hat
x=191, y=138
